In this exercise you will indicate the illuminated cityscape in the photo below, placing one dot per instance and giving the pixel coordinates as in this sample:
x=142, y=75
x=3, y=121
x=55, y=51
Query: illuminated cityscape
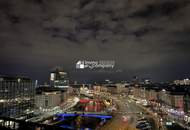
x=94, y=65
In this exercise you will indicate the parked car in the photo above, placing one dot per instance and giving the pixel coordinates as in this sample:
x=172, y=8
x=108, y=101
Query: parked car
x=148, y=127
x=141, y=125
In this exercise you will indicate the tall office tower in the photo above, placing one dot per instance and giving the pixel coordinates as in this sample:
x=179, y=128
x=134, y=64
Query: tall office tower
x=59, y=78
x=16, y=96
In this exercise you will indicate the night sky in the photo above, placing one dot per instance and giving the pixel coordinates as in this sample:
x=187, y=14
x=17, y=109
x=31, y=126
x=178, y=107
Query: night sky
x=147, y=38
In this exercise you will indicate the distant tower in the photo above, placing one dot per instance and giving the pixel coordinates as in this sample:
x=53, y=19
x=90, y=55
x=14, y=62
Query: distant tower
x=36, y=83
x=135, y=80
x=75, y=82
x=147, y=81
x=59, y=78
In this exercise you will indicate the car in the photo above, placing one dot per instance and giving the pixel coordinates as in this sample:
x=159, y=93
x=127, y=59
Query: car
x=143, y=121
x=147, y=128
x=141, y=125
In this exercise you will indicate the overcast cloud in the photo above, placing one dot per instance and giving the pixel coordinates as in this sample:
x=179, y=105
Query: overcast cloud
x=149, y=38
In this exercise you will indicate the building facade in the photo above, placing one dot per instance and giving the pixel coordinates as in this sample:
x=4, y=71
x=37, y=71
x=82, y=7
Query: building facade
x=16, y=96
x=46, y=95
x=48, y=100
x=59, y=79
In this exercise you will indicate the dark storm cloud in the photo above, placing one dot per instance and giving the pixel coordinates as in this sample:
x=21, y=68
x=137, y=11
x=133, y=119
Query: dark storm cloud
x=148, y=36
x=146, y=30
x=164, y=8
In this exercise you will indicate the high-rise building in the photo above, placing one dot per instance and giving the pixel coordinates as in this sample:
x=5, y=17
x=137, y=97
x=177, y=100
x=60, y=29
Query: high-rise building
x=59, y=78
x=16, y=96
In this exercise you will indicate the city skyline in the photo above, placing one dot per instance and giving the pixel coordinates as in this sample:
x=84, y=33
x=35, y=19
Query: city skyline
x=149, y=39
x=94, y=64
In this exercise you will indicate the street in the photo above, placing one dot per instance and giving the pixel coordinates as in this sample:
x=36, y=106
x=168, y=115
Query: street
x=127, y=110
